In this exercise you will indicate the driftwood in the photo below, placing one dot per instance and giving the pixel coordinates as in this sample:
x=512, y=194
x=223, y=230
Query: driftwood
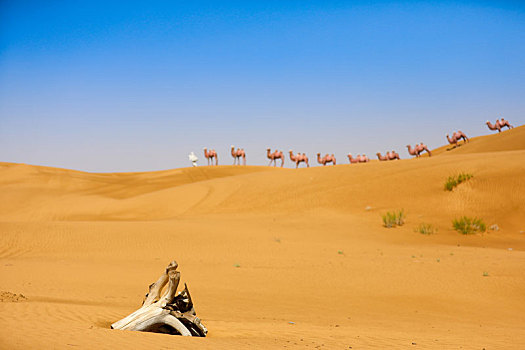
x=166, y=313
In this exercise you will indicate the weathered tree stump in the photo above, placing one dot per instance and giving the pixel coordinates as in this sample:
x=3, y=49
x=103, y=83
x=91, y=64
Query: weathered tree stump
x=166, y=313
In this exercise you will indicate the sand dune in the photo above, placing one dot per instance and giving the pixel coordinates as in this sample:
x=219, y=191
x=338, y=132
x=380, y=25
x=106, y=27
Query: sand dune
x=262, y=247
x=508, y=140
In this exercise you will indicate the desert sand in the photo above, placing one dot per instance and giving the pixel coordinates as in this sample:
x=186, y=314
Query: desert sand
x=274, y=258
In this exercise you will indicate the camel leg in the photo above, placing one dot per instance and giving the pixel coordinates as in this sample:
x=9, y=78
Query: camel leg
x=282, y=162
x=244, y=160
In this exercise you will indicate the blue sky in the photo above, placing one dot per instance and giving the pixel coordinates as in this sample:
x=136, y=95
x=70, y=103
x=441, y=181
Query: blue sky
x=127, y=86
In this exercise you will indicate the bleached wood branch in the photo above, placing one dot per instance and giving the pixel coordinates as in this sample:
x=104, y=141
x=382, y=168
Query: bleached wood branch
x=169, y=313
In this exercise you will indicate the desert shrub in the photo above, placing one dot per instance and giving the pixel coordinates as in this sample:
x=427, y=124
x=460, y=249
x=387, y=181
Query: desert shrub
x=455, y=180
x=394, y=218
x=466, y=225
x=426, y=229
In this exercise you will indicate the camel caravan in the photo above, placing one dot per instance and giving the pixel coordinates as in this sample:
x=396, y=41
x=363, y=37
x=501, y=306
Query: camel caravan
x=416, y=151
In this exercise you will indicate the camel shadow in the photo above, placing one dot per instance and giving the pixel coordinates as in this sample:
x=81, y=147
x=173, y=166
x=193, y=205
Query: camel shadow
x=456, y=146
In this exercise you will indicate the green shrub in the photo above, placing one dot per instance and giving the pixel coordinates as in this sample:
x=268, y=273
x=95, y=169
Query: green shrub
x=466, y=225
x=394, y=218
x=455, y=180
x=426, y=229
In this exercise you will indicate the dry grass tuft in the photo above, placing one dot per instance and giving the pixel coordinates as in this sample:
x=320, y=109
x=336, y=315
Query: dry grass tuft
x=453, y=181
x=394, y=218
x=466, y=225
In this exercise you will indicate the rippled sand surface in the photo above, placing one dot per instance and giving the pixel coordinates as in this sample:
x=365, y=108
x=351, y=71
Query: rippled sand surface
x=273, y=257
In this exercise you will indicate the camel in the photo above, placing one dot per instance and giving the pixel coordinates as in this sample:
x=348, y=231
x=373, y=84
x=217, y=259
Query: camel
x=363, y=158
x=503, y=122
x=412, y=152
x=359, y=159
x=416, y=151
x=274, y=156
x=496, y=126
x=458, y=135
x=422, y=147
x=500, y=123
x=353, y=160
x=209, y=155
x=382, y=158
x=298, y=159
x=237, y=154
x=326, y=159
x=392, y=155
